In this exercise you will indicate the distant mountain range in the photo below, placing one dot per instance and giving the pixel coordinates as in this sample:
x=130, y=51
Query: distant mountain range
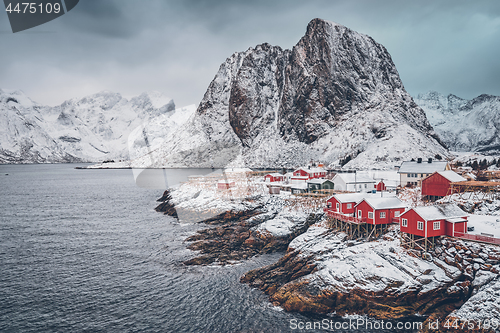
x=94, y=128
x=335, y=97
x=464, y=125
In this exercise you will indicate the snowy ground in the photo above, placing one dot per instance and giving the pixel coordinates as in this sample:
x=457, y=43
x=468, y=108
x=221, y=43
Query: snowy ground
x=373, y=265
x=484, y=224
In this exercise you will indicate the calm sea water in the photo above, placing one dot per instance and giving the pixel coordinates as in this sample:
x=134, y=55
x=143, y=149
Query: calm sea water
x=84, y=251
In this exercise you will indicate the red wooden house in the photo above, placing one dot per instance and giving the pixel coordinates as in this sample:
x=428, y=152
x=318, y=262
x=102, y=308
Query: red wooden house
x=344, y=203
x=380, y=210
x=311, y=173
x=273, y=177
x=434, y=221
x=438, y=184
x=380, y=187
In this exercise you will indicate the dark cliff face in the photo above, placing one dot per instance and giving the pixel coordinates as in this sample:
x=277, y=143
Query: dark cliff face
x=304, y=93
x=256, y=91
x=273, y=104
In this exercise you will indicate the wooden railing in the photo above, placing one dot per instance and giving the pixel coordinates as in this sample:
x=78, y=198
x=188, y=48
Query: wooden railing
x=479, y=238
x=343, y=217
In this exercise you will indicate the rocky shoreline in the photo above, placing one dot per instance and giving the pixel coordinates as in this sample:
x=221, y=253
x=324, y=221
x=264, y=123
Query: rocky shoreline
x=322, y=272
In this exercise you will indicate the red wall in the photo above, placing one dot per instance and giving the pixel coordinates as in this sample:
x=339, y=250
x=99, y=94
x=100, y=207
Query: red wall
x=380, y=187
x=412, y=218
x=435, y=185
x=459, y=227
x=389, y=213
x=365, y=208
x=273, y=179
x=300, y=173
x=446, y=227
x=342, y=206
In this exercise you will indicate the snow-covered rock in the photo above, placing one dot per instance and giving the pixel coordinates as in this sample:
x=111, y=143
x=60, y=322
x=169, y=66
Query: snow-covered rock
x=94, y=128
x=464, y=125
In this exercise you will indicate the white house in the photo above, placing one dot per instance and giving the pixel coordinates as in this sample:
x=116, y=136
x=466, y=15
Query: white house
x=411, y=173
x=353, y=182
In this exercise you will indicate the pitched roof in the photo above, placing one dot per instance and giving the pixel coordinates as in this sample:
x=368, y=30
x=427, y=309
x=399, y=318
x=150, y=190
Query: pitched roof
x=452, y=176
x=351, y=178
x=300, y=177
x=275, y=174
x=312, y=170
x=385, y=202
x=424, y=167
x=440, y=211
x=301, y=186
x=357, y=197
x=318, y=181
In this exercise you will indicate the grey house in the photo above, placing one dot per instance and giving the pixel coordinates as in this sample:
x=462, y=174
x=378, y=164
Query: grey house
x=319, y=184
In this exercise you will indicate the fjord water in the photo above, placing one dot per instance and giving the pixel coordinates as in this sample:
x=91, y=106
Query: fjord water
x=83, y=250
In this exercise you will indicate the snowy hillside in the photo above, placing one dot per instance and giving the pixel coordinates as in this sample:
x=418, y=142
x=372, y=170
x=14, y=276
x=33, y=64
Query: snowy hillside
x=94, y=128
x=464, y=125
x=335, y=96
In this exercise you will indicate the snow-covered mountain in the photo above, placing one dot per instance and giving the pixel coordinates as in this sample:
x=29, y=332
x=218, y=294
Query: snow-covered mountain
x=94, y=128
x=464, y=125
x=335, y=95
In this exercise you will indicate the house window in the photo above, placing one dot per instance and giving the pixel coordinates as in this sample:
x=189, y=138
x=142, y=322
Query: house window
x=382, y=215
x=370, y=215
x=365, y=185
x=329, y=204
x=404, y=222
x=349, y=206
x=421, y=175
x=437, y=225
x=396, y=214
x=338, y=206
x=359, y=214
x=420, y=225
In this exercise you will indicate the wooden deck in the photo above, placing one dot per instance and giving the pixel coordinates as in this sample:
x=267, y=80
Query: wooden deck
x=478, y=238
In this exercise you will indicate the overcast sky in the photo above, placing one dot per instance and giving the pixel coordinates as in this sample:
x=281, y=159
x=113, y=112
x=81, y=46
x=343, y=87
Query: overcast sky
x=176, y=47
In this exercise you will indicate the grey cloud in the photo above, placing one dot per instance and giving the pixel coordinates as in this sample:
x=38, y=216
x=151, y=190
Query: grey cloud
x=176, y=46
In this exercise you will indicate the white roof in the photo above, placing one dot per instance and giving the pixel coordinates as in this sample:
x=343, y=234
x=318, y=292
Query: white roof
x=300, y=177
x=440, y=211
x=301, y=186
x=275, y=174
x=357, y=197
x=289, y=174
x=456, y=220
x=312, y=170
x=424, y=167
x=385, y=202
x=452, y=176
x=318, y=181
x=351, y=178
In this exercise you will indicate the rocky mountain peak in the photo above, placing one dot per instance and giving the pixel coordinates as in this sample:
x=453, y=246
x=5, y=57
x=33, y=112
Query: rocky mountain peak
x=336, y=93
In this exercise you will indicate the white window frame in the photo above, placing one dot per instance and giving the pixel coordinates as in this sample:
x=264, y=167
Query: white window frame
x=404, y=222
x=360, y=213
x=382, y=215
x=370, y=215
x=438, y=224
x=349, y=206
x=329, y=204
x=337, y=206
x=397, y=214
x=420, y=223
